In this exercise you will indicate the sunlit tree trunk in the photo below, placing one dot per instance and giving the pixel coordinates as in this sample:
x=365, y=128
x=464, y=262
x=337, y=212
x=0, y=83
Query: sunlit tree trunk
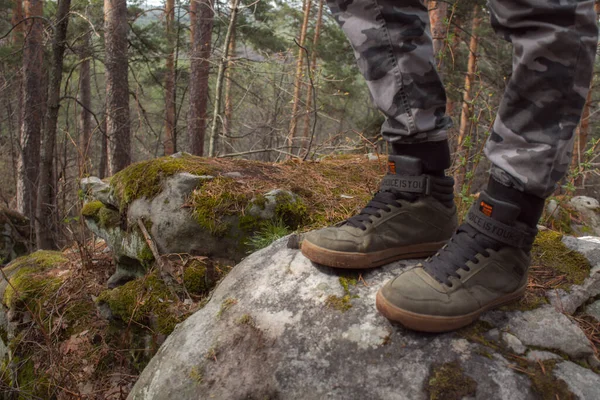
x=32, y=110
x=117, y=85
x=313, y=67
x=228, y=110
x=298, y=77
x=201, y=24
x=438, y=12
x=466, y=123
x=220, y=76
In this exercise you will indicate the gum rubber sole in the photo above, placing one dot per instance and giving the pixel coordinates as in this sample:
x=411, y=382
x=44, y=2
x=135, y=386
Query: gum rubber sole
x=433, y=323
x=341, y=259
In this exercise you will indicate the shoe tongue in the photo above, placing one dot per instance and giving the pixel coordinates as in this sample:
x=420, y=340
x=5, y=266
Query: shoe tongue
x=502, y=211
x=404, y=165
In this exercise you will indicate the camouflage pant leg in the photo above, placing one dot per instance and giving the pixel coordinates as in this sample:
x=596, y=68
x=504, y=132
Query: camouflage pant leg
x=393, y=47
x=554, y=48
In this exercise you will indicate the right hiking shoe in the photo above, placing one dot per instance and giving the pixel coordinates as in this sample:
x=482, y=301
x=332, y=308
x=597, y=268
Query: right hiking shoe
x=411, y=216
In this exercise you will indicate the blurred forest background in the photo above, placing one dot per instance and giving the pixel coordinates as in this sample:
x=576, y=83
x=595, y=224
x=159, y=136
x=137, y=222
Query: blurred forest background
x=89, y=86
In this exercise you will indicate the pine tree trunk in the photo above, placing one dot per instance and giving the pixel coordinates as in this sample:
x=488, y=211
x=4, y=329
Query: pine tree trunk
x=17, y=17
x=466, y=124
x=170, y=134
x=85, y=97
x=298, y=77
x=438, y=11
x=228, y=111
x=117, y=85
x=103, y=164
x=201, y=23
x=220, y=76
x=31, y=111
x=46, y=203
x=313, y=68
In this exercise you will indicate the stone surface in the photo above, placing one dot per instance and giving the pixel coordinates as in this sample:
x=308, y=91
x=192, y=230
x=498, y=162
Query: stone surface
x=14, y=235
x=594, y=310
x=589, y=210
x=266, y=210
x=98, y=189
x=513, y=343
x=584, y=383
x=273, y=332
x=547, y=328
x=570, y=301
x=540, y=355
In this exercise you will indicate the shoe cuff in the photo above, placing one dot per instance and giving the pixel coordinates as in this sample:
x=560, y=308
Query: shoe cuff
x=497, y=219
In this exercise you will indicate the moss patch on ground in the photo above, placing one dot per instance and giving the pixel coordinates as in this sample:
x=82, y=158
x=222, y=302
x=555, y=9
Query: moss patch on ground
x=197, y=278
x=343, y=303
x=549, y=251
x=144, y=301
x=448, y=382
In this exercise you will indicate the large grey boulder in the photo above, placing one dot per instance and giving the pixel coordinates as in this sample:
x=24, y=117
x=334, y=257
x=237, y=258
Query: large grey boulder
x=279, y=326
x=170, y=222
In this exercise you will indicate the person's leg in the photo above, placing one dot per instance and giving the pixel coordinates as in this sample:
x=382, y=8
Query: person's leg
x=413, y=214
x=485, y=263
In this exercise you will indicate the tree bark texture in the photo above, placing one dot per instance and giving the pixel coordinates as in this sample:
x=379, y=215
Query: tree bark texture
x=46, y=202
x=228, y=110
x=201, y=23
x=220, y=76
x=298, y=77
x=16, y=18
x=85, y=97
x=117, y=85
x=170, y=129
x=32, y=95
x=438, y=12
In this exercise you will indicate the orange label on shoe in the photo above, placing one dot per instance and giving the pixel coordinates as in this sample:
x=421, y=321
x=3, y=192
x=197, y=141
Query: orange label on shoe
x=392, y=167
x=486, y=208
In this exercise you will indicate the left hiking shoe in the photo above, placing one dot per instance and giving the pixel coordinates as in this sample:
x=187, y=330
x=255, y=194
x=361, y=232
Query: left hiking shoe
x=484, y=265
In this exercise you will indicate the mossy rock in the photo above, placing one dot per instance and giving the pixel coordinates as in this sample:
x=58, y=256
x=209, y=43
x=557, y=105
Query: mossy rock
x=28, y=284
x=104, y=216
x=198, y=277
x=144, y=301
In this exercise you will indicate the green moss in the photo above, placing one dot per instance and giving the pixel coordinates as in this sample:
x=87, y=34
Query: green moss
x=475, y=333
x=91, y=209
x=549, y=251
x=260, y=201
x=226, y=305
x=246, y=319
x=31, y=383
x=448, y=382
x=196, y=279
x=141, y=301
x=218, y=198
x=545, y=384
x=529, y=302
x=196, y=375
x=291, y=211
x=108, y=218
x=342, y=303
x=144, y=179
x=267, y=233
x=146, y=257
x=29, y=287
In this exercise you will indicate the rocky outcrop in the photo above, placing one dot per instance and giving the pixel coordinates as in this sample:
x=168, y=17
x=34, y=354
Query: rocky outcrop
x=215, y=208
x=15, y=235
x=580, y=214
x=280, y=327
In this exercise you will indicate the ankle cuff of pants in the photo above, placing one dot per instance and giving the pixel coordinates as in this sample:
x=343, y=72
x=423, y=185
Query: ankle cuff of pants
x=531, y=205
x=435, y=156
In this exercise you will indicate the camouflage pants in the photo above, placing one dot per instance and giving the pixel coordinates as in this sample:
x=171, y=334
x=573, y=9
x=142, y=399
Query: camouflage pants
x=554, y=45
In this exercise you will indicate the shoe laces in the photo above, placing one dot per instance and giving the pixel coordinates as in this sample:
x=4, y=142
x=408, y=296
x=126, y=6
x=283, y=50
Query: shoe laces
x=380, y=203
x=464, y=246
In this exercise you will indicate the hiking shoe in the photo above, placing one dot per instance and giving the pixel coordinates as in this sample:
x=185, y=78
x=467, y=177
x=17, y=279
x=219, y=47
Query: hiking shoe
x=412, y=215
x=483, y=266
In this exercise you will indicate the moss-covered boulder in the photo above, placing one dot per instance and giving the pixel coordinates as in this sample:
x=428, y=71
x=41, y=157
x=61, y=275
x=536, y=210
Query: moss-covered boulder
x=15, y=234
x=218, y=207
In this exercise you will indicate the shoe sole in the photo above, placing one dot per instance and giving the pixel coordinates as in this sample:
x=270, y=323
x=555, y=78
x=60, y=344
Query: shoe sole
x=435, y=324
x=342, y=259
